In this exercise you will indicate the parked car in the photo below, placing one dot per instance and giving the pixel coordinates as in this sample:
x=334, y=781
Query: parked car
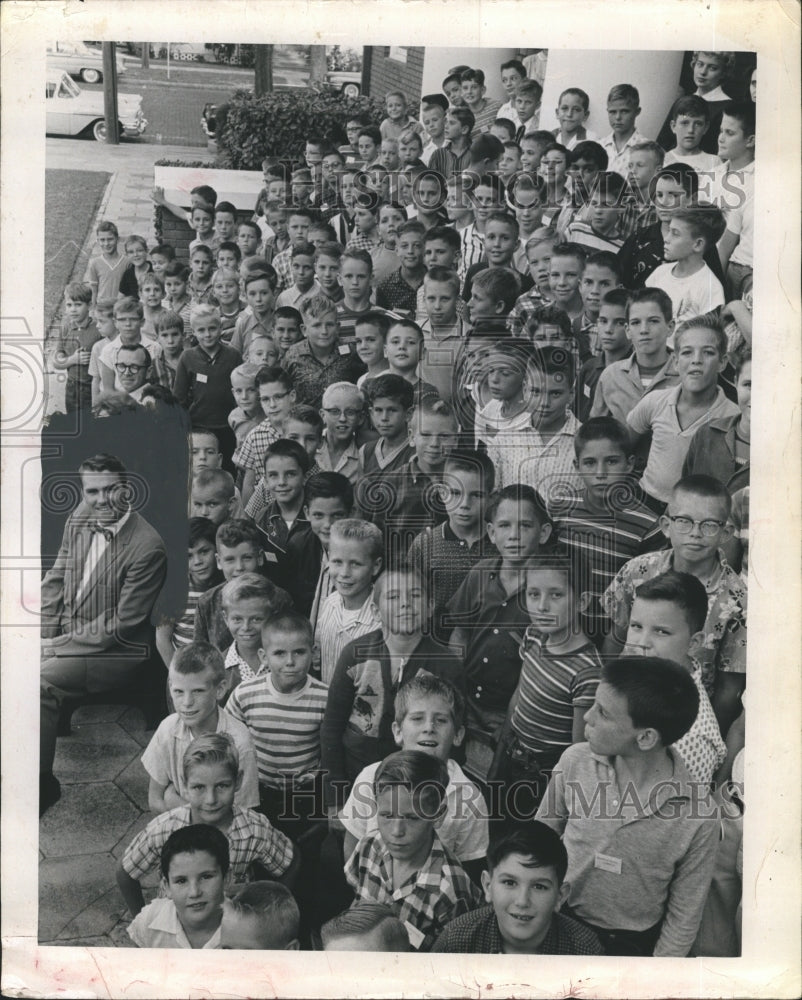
x=72, y=111
x=349, y=84
x=79, y=60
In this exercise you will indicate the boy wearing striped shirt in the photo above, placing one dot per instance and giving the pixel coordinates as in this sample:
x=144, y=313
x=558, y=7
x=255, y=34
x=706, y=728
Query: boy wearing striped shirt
x=283, y=709
x=559, y=675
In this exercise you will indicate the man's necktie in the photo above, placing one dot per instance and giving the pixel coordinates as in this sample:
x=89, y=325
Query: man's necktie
x=99, y=529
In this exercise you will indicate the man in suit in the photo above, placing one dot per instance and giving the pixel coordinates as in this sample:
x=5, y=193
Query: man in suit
x=96, y=603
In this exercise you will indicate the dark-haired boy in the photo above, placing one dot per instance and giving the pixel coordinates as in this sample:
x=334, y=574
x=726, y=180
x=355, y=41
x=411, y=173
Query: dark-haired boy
x=486, y=197
x=299, y=220
x=733, y=190
x=600, y=230
x=601, y=275
x=399, y=291
x=304, y=286
x=524, y=887
x=455, y=153
x=257, y=319
x=610, y=330
x=641, y=854
x=433, y=116
x=389, y=399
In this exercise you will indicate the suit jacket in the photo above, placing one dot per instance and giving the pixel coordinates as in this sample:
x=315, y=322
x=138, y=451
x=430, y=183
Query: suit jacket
x=112, y=614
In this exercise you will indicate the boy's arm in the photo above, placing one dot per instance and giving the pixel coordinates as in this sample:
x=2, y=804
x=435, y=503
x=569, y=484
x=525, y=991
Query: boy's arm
x=157, y=801
x=553, y=810
x=335, y=719
x=578, y=725
x=180, y=213
x=728, y=242
x=131, y=890
x=729, y=687
x=181, y=385
x=735, y=743
x=164, y=642
x=248, y=486
x=688, y=891
x=106, y=377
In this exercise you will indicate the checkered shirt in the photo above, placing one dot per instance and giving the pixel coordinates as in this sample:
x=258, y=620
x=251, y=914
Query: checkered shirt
x=251, y=453
x=523, y=313
x=250, y=838
x=282, y=263
x=478, y=933
x=426, y=902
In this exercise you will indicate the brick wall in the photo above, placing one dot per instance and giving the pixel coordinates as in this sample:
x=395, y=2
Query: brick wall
x=176, y=232
x=387, y=74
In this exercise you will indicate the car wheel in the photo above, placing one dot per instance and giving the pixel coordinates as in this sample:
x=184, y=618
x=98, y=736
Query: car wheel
x=91, y=75
x=99, y=130
x=350, y=90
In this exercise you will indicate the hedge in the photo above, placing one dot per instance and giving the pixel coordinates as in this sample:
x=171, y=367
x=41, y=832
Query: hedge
x=277, y=124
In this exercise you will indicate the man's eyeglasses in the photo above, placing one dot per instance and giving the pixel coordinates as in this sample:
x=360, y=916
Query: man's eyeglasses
x=685, y=525
x=128, y=369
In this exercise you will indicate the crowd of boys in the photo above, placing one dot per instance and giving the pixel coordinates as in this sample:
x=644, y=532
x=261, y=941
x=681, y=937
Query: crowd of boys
x=463, y=656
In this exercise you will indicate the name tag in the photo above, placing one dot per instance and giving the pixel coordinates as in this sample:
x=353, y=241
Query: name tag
x=586, y=389
x=200, y=377
x=344, y=349
x=271, y=557
x=607, y=863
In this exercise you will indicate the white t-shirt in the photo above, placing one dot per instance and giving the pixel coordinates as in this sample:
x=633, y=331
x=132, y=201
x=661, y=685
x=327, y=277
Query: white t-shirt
x=691, y=296
x=463, y=828
x=734, y=193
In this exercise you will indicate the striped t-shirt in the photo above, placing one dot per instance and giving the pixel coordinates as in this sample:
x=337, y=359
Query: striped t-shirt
x=551, y=686
x=285, y=727
x=184, y=631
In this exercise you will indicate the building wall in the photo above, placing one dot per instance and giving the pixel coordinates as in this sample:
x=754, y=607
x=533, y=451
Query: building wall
x=388, y=74
x=440, y=60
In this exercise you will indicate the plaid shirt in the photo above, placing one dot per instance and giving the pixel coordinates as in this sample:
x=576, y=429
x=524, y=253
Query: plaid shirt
x=478, y=933
x=311, y=377
x=250, y=838
x=251, y=453
x=163, y=372
x=363, y=241
x=520, y=321
x=261, y=498
x=282, y=264
x=426, y=902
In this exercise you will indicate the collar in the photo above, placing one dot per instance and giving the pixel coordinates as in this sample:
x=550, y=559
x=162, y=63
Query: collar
x=165, y=920
x=679, y=786
x=116, y=526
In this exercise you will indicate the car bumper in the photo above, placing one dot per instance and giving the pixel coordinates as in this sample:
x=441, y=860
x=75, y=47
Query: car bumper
x=135, y=128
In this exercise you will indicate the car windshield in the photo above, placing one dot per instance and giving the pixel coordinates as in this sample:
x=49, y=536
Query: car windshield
x=67, y=88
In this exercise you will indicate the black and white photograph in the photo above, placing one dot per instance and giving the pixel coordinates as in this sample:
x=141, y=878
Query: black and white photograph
x=376, y=510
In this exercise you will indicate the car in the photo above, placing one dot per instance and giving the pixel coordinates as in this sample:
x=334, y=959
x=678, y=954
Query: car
x=79, y=61
x=72, y=111
x=349, y=84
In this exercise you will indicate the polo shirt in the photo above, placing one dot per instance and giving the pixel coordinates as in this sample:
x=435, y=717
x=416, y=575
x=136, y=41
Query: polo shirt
x=294, y=297
x=164, y=755
x=347, y=464
x=385, y=262
x=106, y=273
x=203, y=384
x=619, y=388
x=477, y=933
x=446, y=559
x=441, y=349
x=488, y=113
x=158, y=926
x=657, y=412
x=632, y=865
x=311, y=376
x=462, y=829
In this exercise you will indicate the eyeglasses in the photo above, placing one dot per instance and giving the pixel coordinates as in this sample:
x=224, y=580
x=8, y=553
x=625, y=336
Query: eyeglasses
x=349, y=414
x=685, y=525
x=275, y=398
x=129, y=369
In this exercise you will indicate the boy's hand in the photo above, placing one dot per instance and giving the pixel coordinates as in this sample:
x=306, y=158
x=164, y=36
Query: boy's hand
x=158, y=195
x=82, y=357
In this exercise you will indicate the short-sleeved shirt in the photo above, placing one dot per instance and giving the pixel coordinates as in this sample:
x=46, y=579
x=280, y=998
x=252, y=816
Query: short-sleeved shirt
x=447, y=162
x=158, y=926
x=523, y=313
x=311, y=377
x=285, y=726
x=477, y=933
x=347, y=464
x=702, y=749
x=250, y=838
x=631, y=870
x=618, y=161
x=164, y=754
x=396, y=294
x=427, y=901
x=106, y=273
x=463, y=828
x=698, y=293
x=552, y=685
x=248, y=326
x=657, y=412
x=620, y=387
x=250, y=453
x=724, y=644
x=582, y=232
x=486, y=116
x=336, y=627
x=78, y=338
x=293, y=296
x=733, y=191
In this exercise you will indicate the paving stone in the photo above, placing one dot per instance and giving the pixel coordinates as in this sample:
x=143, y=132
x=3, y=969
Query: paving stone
x=138, y=824
x=133, y=722
x=94, y=753
x=134, y=781
x=100, y=917
x=88, y=818
x=67, y=886
x=89, y=714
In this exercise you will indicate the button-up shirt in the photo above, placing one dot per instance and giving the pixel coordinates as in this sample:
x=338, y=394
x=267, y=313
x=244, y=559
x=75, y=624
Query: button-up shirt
x=158, y=926
x=477, y=933
x=620, y=387
x=618, y=160
x=632, y=865
x=311, y=376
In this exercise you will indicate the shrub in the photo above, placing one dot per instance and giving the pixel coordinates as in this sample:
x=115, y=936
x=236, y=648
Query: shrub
x=278, y=124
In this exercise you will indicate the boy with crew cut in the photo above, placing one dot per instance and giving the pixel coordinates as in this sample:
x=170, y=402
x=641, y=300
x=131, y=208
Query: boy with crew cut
x=430, y=717
x=197, y=684
x=608, y=522
x=488, y=616
x=641, y=856
x=384, y=256
x=559, y=674
x=573, y=108
x=449, y=551
x=613, y=345
x=249, y=237
x=651, y=366
x=370, y=334
x=366, y=926
x=176, y=297
x=247, y=603
x=685, y=277
x=600, y=275
x=248, y=412
x=674, y=415
x=299, y=220
x=283, y=709
x=623, y=107
x=304, y=286
x=320, y=359
x=646, y=160
x=441, y=248
x=212, y=773
x=667, y=618
x=494, y=292
x=105, y=271
x=257, y=319
x=356, y=272
x=696, y=523
x=433, y=117
x=194, y=866
x=213, y=493
x=455, y=154
x=355, y=554
x=404, y=863
x=501, y=245
x=357, y=725
x=442, y=328
x=77, y=336
x=238, y=544
x=524, y=886
x=260, y=916
x=343, y=412
x=327, y=270
x=398, y=292
x=566, y=267
x=285, y=466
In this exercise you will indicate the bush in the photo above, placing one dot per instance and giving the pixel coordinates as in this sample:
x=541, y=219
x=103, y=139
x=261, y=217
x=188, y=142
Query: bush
x=278, y=124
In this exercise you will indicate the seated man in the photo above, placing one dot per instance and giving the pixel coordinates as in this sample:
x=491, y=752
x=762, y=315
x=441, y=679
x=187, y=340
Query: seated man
x=96, y=603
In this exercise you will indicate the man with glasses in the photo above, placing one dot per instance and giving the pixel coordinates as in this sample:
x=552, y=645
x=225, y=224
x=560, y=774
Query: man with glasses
x=696, y=523
x=96, y=601
x=132, y=368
